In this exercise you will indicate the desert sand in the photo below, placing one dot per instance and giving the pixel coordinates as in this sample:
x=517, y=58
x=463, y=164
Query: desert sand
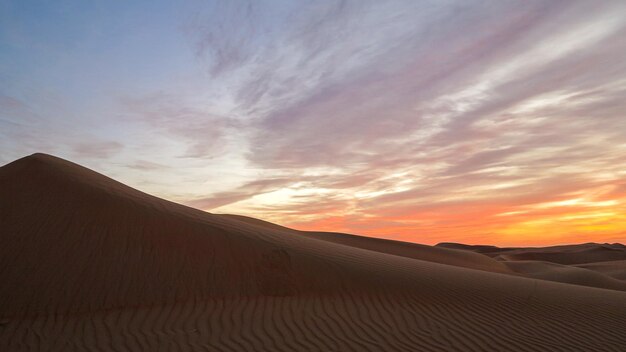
x=89, y=264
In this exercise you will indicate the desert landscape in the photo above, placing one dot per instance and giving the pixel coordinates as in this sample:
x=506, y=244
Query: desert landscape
x=89, y=264
x=313, y=175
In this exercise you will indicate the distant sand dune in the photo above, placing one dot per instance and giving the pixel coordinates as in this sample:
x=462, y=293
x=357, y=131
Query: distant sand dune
x=589, y=264
x=565, y=273
x=615, y=269
x=87, y=263
x=568, y=254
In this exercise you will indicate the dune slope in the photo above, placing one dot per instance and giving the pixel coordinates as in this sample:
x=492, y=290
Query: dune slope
x=615, y=269
x=87, y=263
x=433, y=254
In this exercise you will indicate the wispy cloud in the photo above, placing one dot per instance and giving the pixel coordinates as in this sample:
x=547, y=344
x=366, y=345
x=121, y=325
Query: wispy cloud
x=469, y=106
x=97, y=149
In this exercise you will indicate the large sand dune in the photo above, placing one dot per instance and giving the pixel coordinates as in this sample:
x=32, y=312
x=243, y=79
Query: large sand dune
x=87, y=263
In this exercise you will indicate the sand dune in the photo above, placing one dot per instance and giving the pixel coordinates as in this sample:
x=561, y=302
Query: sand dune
x=615, y=269
x=566, y=273
x=404, y=249
x=567, y=254
x=87, y=263
x=582, y=254
x=588, y=264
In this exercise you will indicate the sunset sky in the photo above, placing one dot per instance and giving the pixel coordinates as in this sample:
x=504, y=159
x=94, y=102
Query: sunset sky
x=496, y=122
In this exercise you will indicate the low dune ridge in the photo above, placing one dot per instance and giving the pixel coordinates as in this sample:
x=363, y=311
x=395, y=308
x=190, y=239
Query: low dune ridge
x=580, y=254
x=599, y=265
x=484, y=249
x=615, y=269
x=415, y=251
x=566, y=273
x=87, y=263
x=565, y=254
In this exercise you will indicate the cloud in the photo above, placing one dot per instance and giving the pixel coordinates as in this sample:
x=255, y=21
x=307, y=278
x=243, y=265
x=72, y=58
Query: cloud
x=8, y=103
x=97, y=149
x=432, y=114
x=245, y=191
x=145, y=165
x=201, y=130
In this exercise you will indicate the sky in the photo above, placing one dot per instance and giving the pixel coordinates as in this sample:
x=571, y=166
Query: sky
x=492, y=122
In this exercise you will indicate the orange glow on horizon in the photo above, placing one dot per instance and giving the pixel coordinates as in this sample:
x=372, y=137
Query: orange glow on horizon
x=596, y=216
x=563, y=228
